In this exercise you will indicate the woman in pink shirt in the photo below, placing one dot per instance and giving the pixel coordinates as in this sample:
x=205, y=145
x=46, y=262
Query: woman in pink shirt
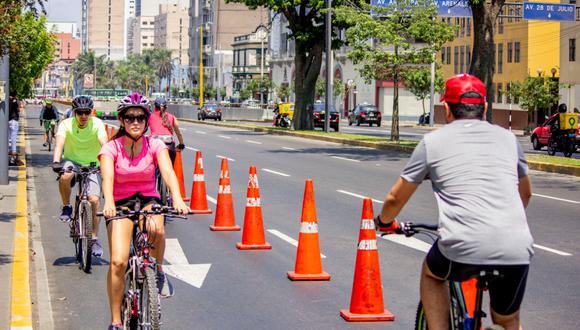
x=128, y=163
x=162, y=126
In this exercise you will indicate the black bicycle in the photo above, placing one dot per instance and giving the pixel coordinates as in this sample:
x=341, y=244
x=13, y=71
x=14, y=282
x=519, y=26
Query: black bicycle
x=49, y=132
x=81, y=224
x=464, y=314
x=141, y=308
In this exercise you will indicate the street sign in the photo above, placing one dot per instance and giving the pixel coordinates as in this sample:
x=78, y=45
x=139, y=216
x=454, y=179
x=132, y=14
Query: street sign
x=549, y=11
x=453, y=8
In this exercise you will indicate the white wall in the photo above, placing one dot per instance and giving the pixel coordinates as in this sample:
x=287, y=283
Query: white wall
x=409, y=107
x=571, y=96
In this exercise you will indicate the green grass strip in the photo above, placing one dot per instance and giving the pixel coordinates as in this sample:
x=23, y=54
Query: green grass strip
x=554, y=160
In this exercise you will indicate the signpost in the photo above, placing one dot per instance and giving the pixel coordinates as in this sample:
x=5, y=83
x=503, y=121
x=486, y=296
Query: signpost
x=549, y=11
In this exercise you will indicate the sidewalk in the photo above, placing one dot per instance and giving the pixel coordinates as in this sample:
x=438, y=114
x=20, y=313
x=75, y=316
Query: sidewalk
x=7, y=223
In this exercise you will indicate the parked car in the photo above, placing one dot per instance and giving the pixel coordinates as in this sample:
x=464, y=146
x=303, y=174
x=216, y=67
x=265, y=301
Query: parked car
x=542, y=133
x=365, y=113
x=211, y=111
x=250, y=103
x=320, y=114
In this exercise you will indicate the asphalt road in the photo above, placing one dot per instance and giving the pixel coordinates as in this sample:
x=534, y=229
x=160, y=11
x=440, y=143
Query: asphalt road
x=249, y=289
x=415, y=134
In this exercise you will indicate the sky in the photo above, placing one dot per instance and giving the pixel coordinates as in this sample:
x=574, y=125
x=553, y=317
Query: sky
x=64, y=10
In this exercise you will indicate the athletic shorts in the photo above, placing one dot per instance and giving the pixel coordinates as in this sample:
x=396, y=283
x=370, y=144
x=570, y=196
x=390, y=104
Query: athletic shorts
x=506, y=292
x=94, y=178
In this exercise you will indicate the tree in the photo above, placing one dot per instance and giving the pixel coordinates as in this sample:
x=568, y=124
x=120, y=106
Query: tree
x=31, y=50
x=337, y=89
x=306, y=25
x=404, y=35
x=90, y=63
x=419, y=83
x=485, y=13
x=533, y=94
x=10, y=12
x=283, y=92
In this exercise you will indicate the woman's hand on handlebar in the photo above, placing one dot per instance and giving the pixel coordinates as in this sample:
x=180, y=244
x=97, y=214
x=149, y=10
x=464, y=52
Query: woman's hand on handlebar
x=109, y=210
x=181, y=207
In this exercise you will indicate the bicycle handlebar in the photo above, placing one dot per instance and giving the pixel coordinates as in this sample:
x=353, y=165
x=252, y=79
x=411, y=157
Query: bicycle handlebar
x=409, y=229
x=123, y=212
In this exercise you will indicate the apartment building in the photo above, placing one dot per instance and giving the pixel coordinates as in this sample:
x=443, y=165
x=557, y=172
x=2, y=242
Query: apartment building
x=570, y=64
x=171, y=28
x=104, y=28
x=143, y=34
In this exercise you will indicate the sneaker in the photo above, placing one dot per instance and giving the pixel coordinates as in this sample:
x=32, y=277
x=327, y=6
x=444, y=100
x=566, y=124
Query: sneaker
x=66, y=213
x=97, y=247
x=45, y=144
x=163, y=285
x=116, y=326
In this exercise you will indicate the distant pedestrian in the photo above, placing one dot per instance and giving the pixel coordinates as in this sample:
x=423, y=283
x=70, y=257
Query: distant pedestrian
x=576, y=110
x=13, y=126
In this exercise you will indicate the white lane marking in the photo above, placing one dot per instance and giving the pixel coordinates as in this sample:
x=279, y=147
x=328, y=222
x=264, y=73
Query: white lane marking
x=357, y=195
x=182, y=128
x=190, y=148
x=180, y=268
x=287, y=238
x=201, y=132
x=274, y=172
x=407, y=241
x=288, y=148
x=545, y=248
x=254, y=142
x=211, y=199
x=224, y=157
x=225, y=137
x=344, y=158
x=556, y=198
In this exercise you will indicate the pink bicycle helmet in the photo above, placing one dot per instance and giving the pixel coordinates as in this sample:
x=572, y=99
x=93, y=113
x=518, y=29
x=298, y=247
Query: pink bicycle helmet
x=133, y=100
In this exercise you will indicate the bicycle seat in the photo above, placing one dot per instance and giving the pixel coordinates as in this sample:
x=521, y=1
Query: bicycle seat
x=486, y=276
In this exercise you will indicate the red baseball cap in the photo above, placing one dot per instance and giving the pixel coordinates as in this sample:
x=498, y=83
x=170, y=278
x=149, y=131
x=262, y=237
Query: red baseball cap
x=457, y=86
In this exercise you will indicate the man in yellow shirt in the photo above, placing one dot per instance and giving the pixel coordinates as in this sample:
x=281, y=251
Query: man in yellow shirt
x=80, y=138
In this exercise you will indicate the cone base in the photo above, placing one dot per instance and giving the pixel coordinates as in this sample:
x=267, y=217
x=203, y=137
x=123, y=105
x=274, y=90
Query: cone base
x=185, y=199
x=324, y=276
x=207, y=211
x=224, y=228
x=242, y=246
x=354, y=317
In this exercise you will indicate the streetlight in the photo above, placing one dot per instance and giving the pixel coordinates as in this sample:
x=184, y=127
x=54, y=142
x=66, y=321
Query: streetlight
x=262, y=32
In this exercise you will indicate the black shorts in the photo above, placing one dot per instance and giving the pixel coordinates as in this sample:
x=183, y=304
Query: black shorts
x=130, y=202
x=505, y=293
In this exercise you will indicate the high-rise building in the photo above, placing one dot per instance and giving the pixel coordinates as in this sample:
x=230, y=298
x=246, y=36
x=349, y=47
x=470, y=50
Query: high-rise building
x=129, y=25
x=171, y=31
x=143, y=34
x=105, y=28
x=570, y=64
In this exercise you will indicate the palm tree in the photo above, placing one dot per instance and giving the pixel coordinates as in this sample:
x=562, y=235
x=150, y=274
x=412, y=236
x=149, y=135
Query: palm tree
x=86, y=63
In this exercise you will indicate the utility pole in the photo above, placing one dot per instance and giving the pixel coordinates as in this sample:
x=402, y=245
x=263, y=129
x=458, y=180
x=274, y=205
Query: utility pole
x=4, y=112
x=201, y=65
x=329, y=69
x=432, y=94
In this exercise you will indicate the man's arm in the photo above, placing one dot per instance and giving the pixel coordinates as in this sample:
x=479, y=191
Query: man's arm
x=399, y=195
x=58, y=149
x=525, y=190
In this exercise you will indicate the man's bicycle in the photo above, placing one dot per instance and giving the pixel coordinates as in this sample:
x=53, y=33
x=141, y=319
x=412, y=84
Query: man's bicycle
x=81, y=224
x=465, y=309
x=49, y=127
x=141, y=308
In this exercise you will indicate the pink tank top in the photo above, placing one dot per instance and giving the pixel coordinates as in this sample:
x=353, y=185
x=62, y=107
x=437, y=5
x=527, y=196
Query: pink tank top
x=156, y=123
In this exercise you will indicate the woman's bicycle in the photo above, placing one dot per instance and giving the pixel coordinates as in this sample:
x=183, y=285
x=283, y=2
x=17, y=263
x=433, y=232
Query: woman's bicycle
x=466, y=308
x=141, y=308
x=81, y=224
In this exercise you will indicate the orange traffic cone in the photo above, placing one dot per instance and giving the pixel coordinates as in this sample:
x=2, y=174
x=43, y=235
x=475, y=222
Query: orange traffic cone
x=253, y=235
x=107, y=129
x=308, y=262
x=224, y=213
x=178, y=169
x=366, y=303
x=198, y=203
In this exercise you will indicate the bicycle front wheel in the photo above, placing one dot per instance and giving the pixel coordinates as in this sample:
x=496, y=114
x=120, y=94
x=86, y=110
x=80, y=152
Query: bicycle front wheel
x=85, y=223
x=150, y=307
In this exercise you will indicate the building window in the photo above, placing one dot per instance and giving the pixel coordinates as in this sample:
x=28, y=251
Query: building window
x=510, y=14
x=508, y=88
x=517, y=52
x=443, y=55
x=518, y=14
x=572, y=51
x=469, y=26
x=500, y=25
x=449, y=55
x=500, y=58
x=456, y=60
x=461, y=59
x=510, y=52
x=457, y=26
x=499, y=92
x=493, y=49
x=463, y=26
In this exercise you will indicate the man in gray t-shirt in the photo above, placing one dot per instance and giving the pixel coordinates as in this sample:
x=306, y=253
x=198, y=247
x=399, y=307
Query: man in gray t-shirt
x=480, y=179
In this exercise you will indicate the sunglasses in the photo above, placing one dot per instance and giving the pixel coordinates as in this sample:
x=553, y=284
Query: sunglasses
x=131, y=119
x=83, y=112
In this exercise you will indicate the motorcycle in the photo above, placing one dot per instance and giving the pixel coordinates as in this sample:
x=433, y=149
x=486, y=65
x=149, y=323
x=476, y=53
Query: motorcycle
x=565, y=142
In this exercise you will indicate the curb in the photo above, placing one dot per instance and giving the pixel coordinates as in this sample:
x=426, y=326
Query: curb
x=368, y=144
x=539, y=166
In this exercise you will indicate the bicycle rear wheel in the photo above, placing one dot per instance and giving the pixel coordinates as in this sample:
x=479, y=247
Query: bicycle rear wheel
x=456, y=313
x=50, y=137
x=149, y=300
x=85, y=230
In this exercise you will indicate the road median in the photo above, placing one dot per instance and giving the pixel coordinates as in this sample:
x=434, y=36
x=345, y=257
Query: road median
x=550, y=164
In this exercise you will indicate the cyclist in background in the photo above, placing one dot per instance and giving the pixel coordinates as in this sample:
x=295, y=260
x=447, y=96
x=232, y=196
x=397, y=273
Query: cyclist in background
x=162, y=126
x=128, y=164
x=480, y=179
x=48, y=113
x=80, y=137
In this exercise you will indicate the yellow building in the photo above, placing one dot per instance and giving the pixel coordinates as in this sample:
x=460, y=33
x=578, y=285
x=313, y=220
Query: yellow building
x=522, y=48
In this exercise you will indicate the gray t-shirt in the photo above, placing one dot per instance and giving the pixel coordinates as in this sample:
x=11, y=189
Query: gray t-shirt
x=474, y=168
